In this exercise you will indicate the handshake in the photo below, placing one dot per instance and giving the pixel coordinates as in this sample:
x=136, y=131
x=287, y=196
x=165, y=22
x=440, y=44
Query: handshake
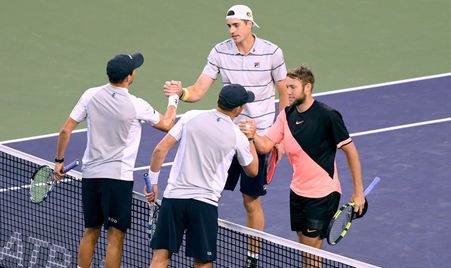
x=173, y=90
x=248, y=127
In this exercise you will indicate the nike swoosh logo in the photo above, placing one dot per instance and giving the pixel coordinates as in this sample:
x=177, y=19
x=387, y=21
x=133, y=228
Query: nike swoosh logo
x=299, y=122
x=310, y=231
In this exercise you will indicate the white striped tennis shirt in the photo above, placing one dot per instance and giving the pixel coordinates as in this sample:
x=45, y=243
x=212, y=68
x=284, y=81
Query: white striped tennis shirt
x=257, y=71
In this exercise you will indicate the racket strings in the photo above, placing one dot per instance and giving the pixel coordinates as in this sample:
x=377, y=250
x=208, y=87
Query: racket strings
x=152, y=223
x=41, y=183
x=341, y=223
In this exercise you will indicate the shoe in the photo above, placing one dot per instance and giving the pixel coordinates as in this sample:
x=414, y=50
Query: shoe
x=251, y=262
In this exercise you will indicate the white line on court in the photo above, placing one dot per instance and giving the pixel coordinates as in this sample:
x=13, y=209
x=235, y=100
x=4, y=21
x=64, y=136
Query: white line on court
x=363, y=133
x=316, y=94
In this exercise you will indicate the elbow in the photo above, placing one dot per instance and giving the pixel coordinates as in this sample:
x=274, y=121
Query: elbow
x=253, y=173
x=167, y=124
x=65, y=132
x=252, y=169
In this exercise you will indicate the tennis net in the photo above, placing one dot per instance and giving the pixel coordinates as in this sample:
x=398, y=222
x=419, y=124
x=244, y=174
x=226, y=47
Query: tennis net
x=47, y=234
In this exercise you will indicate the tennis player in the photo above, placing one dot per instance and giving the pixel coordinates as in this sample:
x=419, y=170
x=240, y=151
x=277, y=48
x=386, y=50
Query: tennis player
x=208, y=142
x=114, y=118
x=312, y=132
x=259, y=66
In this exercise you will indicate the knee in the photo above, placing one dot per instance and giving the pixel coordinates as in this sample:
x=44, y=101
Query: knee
x=251, y=203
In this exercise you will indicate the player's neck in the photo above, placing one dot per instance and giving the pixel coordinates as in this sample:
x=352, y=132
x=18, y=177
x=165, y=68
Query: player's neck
x=246, y=45
x=232, y=114
x=305, y=105
x=122, y=84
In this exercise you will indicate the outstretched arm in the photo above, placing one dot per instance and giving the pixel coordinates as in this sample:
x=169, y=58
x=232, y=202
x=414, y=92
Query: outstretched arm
x=192, y=93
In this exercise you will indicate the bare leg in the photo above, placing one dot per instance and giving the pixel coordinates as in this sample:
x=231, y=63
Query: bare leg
x=87, y=246
x=114, y=248
x=160, y=258
x=255, y=219
x=309, y=259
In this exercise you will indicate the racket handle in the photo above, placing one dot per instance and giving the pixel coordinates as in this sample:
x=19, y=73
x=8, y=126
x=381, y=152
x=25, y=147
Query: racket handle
x=147, y=181
x=71, y=166
x=372, y=185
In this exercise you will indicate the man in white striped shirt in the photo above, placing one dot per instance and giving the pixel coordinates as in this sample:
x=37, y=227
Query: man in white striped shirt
x=259, y=66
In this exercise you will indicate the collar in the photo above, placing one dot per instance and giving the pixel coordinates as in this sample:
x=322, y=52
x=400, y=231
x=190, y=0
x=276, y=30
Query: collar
x=253, y=49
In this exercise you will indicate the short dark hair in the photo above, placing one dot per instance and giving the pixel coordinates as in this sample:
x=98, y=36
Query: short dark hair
x=114, y=80
x=302, y=73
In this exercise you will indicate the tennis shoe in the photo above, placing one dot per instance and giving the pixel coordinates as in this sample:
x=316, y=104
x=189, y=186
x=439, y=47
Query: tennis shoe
x=251, y=262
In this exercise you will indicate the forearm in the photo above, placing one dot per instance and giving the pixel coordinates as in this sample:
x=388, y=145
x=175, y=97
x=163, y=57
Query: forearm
x=251, y=170
x=158, y=157
x=263, y=144
x=283, y=95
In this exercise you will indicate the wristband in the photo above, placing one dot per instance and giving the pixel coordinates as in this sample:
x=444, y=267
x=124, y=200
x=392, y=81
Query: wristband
x=173, y=100
x=59, y=160
x=153, y=176
x=185, y=94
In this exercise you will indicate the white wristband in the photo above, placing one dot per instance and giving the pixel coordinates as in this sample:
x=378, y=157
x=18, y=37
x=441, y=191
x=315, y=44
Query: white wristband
x=153, y=176
x=173, y=100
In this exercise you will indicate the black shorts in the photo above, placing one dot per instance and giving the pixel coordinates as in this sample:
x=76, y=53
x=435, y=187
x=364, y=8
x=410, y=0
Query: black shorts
x=107, y=202
x=199, y=219
x=312, y=216
x=252, y=186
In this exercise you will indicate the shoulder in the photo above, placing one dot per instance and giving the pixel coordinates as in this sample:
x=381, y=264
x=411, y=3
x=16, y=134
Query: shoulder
x=224, y=47
x=193, y=114
x=327, y=110
x=266, y=46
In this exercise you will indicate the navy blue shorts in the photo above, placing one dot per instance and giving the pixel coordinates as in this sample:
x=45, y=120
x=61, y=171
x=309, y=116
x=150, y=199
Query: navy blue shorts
x=199, y=219
x=252, y=186
x=107, y=202
x=312, y=216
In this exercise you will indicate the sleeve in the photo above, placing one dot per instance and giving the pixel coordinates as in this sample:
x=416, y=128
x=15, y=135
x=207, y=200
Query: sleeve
x=276, y=131
x=279, y=69
x=243, y=151
x=145, y=112
x=80, y=111
x=212, y=67
x=339, y=132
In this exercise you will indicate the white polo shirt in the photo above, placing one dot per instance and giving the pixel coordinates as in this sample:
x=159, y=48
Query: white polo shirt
x=114, y=118
x=256, y=71
x=208, y=141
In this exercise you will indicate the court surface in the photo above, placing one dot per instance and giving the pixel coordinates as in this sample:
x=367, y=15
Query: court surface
x=402, y=132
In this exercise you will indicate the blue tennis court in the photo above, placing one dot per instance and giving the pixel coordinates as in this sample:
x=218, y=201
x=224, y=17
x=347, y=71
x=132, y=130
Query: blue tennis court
x=402, y=131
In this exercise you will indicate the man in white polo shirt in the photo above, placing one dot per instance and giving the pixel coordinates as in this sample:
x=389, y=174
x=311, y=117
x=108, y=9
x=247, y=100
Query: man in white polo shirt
x=114, y=118
x=259, y=66
x=208, y=142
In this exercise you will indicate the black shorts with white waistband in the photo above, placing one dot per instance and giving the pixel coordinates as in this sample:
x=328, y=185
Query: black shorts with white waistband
x=199, y=219
x=311, y=216
x=252, y=186
x=107, y=202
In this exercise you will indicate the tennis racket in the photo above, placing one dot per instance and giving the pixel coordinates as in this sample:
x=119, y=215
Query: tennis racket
x=271, y=161
x=342, y=220
x=154, y=211
x=43, y=181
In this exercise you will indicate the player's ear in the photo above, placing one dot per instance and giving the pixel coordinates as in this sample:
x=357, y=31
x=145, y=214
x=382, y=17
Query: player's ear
x=238, y=110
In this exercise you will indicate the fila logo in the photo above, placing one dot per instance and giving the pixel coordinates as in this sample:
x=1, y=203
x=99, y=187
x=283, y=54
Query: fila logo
x=299, y=122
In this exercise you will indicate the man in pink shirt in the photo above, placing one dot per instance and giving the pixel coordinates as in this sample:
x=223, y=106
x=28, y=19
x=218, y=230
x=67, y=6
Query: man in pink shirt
x=312, y=132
